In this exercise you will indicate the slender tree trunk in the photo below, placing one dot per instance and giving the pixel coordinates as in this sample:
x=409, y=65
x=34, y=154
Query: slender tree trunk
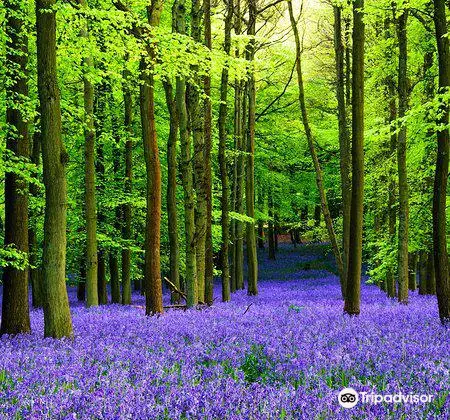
x=81, y=286
x=114, y=253
x=57, y=319
x=89, y=176
x=15, y=306
x=403, y=212
x=353, y=291
x=344, y=138
x=128, y=185
x=197, y=125
x=174, y=247
x=36, y=272
x=179, y=12
x=261, y=197
x=209, y=266
x=441, y=175
x=252, y=257
x=152, y=274
x=223, y=109
x=100, y=117
x=391, y=90
x=317, y=168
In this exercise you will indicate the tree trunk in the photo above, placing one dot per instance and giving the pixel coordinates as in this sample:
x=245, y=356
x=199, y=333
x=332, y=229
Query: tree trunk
x=261, y=197
x=174, y=247
x=441, y=175
x=317, y=168
x=431, y=276
x=197, y=126
x=223, y=109
x=89, y=177
x=179, y=12
x=344, y=138
x=15, y=307
x=353, y=290
x=252, y=257
x=100, y=117
x=209, y=265
x=128, y=185
x=57, y=319
x=403, y=211
x=392, y=212
x=152, y=274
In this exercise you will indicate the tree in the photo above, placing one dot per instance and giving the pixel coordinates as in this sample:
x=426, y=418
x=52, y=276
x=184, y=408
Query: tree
x=312, y=150
x=353, y=287
x=89, y=157
x=403, y=272
x=252, y=259
x=57, y=319
x=440, y=180
x=179, y=17
x=15, y=307
x=223, y=109
x=153, y=282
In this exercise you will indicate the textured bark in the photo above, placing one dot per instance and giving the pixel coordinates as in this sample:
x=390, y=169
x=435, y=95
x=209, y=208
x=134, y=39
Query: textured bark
x=179, y=12
x=113, y=253
x=197, y=127
x=441, y=175
x=209, y=266
x=171, y=198
x=252, y=258
x=391, y=90
x=403, y=211
x=353, y=290
x=223, y=110
x=100, y=118
x=152, y=274
x=128, y=186
x=344, y=138
x=317, y=168
x=89, y=178
x=15, y=307
x=57, y=319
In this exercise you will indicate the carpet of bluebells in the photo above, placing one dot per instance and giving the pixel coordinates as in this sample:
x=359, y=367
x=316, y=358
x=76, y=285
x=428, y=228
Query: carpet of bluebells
x=284, y=354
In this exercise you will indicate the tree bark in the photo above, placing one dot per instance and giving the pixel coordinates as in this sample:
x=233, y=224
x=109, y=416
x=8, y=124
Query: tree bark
x=15, y=306
x=223, y=109
x=317, y=168
x=179, y=12
x=57, y=319
x=441, y=175
x=271, y=231
x=252, y=257
x=89, y=177
x=197, y=126
x=353, y=290
x=171, y=198
x=152, y=274
x=403, y=212
x=128, y=188
x=344, y=138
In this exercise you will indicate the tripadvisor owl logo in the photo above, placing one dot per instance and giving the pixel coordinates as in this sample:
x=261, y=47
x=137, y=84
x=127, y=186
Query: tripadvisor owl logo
x=348, y=398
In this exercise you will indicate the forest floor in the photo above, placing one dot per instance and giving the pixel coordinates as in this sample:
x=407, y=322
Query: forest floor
x=287, y=355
